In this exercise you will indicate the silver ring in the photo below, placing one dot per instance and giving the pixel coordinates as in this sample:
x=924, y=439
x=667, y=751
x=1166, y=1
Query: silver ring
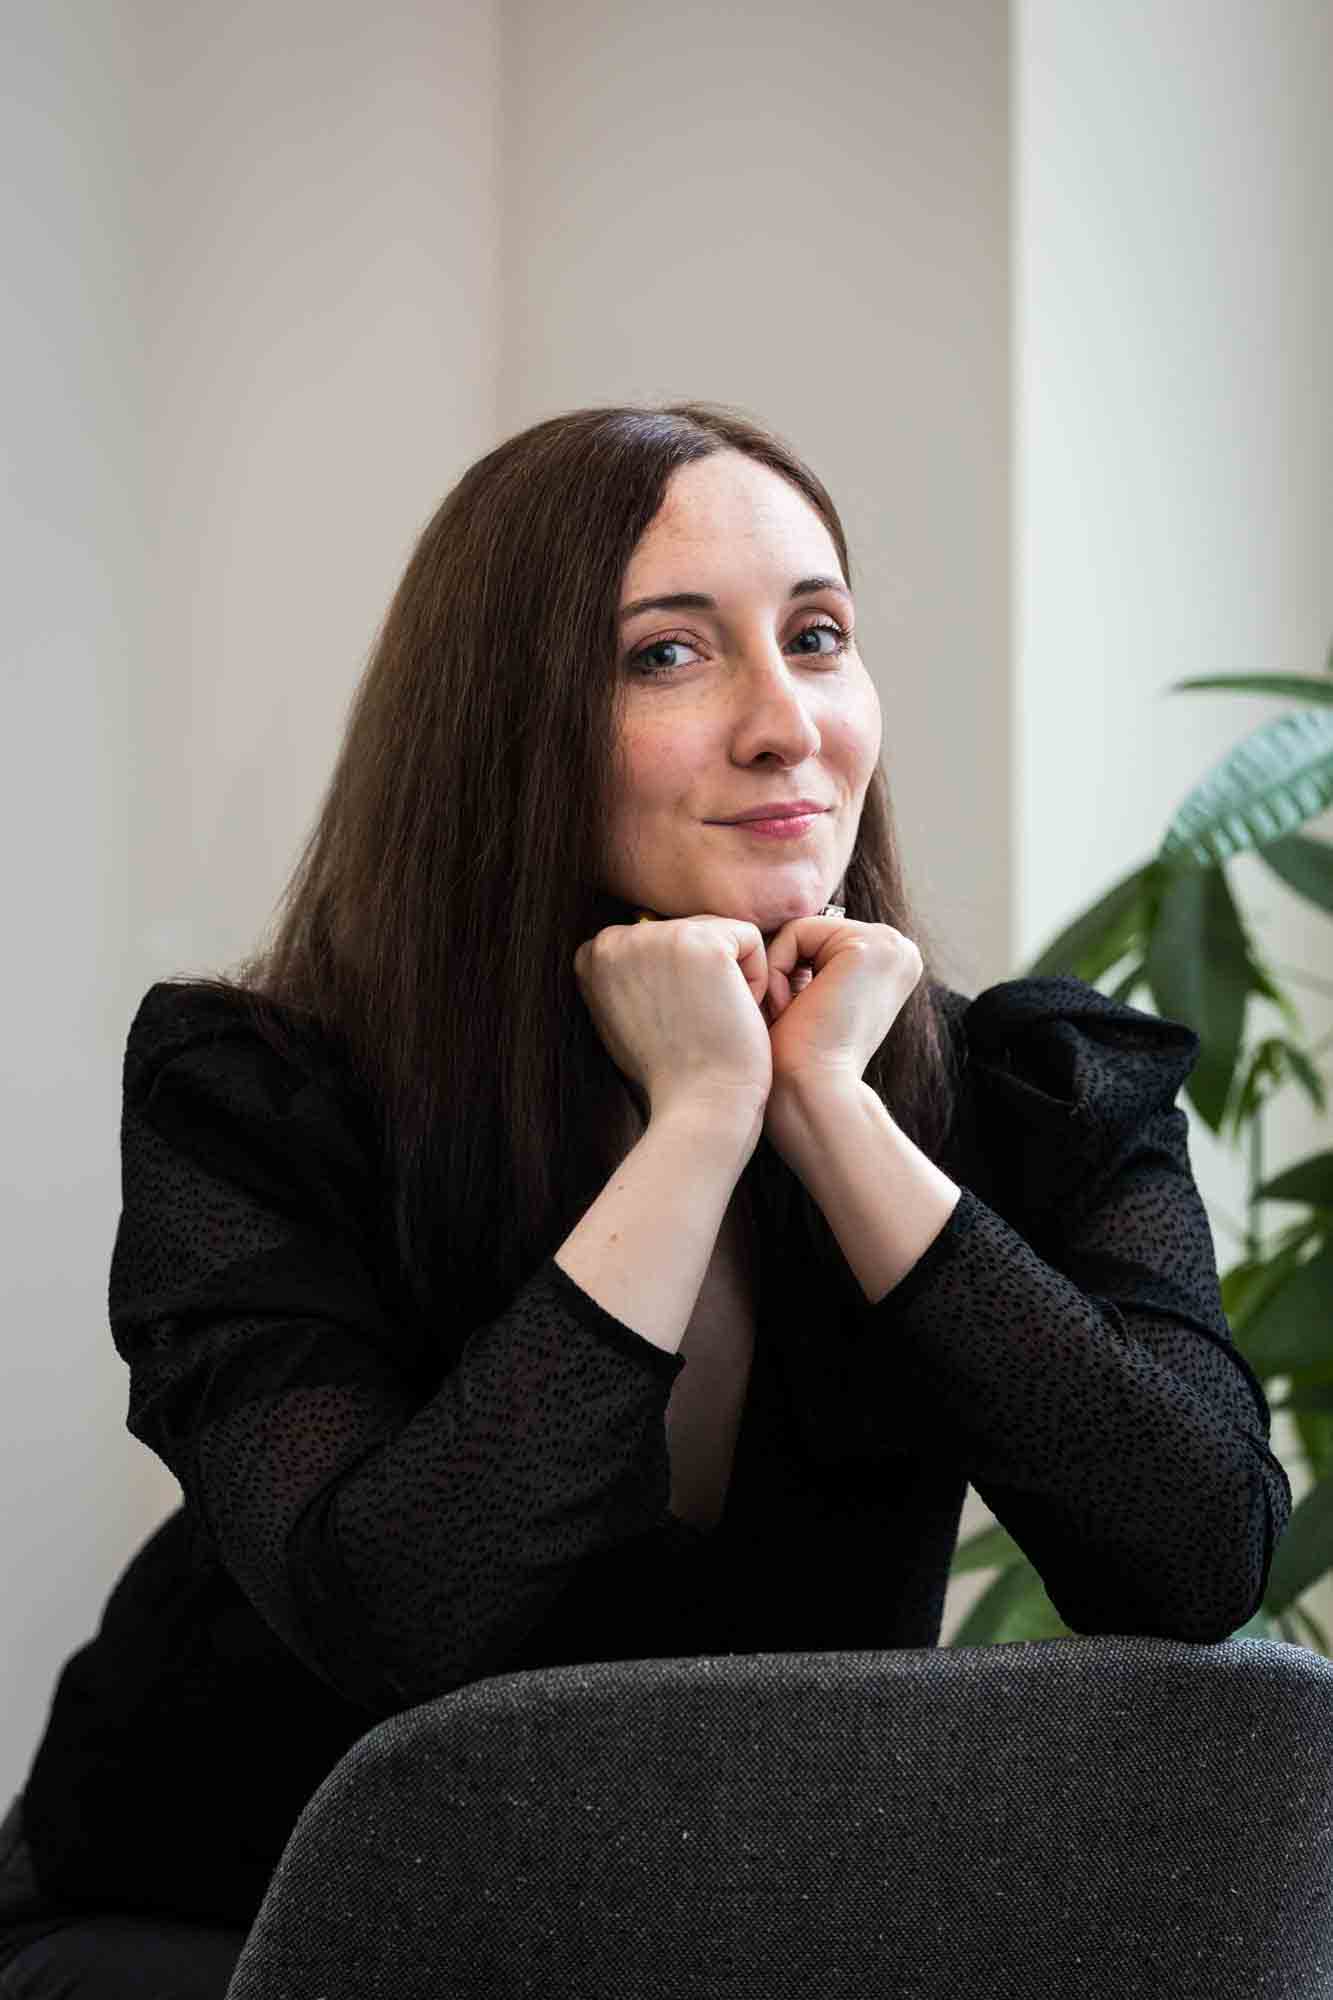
x=831, y=910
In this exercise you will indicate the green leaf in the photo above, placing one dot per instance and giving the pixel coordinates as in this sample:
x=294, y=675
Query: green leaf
x=1307, y=1396
x=1241, y=1284
x=1304, y=1072
x=989, y=1548
x=1304, y=1551
x=1277, y=778
x=1014, y=1607
x=1246, y=1286
x=1202, y=972
x=1265, y=1624
x=1288, y=1329
x=1271, y=1063
x=1101, y=936
x=1305, y=865
x=1304, y=687
x=1312, y=1626
x=1308, y=1180
x=1134, y=978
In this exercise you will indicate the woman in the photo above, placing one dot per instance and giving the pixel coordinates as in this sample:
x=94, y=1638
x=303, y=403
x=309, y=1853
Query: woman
x=509, y=1282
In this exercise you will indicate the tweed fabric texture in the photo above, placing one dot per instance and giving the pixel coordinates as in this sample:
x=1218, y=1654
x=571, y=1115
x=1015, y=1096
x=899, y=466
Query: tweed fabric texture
x=1112, y=1819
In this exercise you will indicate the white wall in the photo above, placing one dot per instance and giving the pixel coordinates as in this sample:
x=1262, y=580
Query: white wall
x=252, y=292
x=804, y=211
x=350, y=254
x=277, y=276
x=1173, y=397
x=75, y=1489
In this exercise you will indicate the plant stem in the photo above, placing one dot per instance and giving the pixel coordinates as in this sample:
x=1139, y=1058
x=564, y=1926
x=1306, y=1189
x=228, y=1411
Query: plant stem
x=1303, y=978
x=1252, y=1240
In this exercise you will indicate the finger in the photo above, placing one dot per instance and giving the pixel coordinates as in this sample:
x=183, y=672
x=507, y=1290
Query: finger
x=802, y=938
x=753, y=962
x=783, y=949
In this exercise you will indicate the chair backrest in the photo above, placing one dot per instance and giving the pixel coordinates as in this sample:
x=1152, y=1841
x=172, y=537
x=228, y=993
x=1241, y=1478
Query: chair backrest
x=1088, y=1817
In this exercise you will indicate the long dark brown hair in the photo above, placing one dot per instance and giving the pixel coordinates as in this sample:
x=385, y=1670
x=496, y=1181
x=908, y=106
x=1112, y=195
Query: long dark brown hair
x=430, y=924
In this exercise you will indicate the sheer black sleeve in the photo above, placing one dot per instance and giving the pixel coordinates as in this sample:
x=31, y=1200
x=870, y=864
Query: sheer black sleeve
x=399, y=1540
x=1065, y=1333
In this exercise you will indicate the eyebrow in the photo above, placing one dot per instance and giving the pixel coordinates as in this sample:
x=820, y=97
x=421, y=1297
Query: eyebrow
x=694, y=600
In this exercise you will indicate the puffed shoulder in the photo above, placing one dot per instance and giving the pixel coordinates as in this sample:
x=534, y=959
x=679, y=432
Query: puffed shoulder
x=175, y=1012
x=1065, y=1081
x=247, y=1089
x=175, y=1015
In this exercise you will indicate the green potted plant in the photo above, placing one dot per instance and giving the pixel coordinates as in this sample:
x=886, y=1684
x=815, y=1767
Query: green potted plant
x=1170, y=937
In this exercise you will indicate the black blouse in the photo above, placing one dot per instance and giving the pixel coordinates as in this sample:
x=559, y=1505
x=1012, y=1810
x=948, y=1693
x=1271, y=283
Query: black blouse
x=361, y=1532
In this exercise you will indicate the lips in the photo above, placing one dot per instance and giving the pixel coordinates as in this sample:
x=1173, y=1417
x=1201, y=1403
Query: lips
x=794, y=827
x=777, y=809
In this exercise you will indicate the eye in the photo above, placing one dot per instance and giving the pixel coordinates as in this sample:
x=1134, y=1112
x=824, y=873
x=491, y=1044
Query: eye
x=637, y=660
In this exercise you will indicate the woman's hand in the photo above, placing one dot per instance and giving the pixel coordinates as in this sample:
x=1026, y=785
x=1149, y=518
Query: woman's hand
x=826, y=1022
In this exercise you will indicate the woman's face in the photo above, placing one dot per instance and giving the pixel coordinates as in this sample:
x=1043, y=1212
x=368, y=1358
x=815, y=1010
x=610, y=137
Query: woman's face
x=736, y=706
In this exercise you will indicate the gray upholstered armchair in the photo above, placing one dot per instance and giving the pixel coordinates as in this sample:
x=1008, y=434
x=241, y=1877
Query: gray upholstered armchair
x=1062, y=1819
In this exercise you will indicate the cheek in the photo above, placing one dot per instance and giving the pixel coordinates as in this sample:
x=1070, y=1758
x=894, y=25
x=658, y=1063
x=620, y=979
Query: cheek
x=866, y=723
x=852, y=742
x=662, y=767
x=872, y=725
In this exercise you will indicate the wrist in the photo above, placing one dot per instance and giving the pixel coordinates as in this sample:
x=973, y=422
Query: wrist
x=801, y=1095
x=726, y=1120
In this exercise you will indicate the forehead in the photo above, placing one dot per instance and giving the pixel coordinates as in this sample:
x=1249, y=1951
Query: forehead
x=728, y=510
